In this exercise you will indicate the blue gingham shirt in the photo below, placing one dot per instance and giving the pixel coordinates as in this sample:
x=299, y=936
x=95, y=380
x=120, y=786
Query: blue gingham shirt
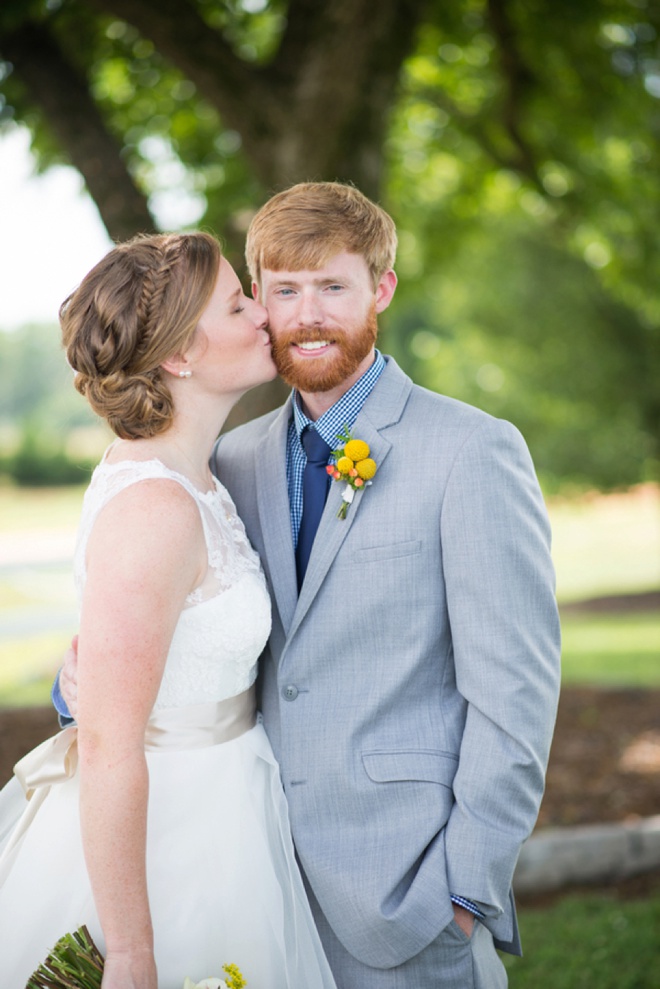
x=340, y=416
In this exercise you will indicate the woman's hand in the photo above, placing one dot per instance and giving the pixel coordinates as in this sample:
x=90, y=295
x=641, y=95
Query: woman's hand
x=130, y=970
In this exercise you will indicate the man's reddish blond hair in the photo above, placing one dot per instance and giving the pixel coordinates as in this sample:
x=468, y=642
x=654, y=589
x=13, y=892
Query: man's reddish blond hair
x=301, y=228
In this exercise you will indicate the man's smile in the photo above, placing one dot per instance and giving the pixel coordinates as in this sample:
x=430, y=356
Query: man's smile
x=313, y=345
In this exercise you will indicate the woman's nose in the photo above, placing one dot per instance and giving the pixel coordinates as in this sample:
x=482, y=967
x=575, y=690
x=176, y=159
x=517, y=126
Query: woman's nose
x=260, y=316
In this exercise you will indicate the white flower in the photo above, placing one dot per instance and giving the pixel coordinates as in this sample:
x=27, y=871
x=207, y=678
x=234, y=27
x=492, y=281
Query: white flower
x=205, y=984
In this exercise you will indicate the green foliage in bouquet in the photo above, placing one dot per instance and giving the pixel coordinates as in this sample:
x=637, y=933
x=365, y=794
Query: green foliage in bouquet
x=74, y=963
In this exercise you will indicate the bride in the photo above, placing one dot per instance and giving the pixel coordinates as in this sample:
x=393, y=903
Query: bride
x=159, y=820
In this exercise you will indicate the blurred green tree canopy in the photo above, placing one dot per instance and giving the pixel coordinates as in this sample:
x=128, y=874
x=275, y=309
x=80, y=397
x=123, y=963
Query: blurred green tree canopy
x=515, y=142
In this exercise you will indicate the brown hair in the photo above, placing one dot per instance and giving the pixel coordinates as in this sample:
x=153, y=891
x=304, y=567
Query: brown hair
x=137, y=307
x=306, y=225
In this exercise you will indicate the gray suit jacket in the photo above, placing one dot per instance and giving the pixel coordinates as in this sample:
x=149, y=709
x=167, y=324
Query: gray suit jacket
x=410, y=691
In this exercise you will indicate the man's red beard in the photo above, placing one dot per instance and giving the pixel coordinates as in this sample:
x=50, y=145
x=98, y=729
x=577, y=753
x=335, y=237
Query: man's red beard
x=330, y=370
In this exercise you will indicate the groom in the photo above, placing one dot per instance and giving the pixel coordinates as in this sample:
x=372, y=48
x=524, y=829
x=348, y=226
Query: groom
x=410, y=683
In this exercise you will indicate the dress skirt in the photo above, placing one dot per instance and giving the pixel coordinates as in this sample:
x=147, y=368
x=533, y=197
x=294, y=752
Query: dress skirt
x=224, y=886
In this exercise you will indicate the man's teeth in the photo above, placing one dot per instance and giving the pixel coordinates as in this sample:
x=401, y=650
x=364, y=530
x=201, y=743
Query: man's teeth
x=315, y=345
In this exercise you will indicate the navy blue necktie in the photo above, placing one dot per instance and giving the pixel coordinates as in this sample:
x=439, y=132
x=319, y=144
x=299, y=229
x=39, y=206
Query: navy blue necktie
x=315, y=490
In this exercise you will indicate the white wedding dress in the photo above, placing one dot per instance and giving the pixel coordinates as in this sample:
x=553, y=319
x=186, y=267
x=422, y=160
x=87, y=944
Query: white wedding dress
x=223, y=883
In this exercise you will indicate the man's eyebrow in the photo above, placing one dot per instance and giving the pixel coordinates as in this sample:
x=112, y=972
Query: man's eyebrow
x=284, y=281
x=327, y=280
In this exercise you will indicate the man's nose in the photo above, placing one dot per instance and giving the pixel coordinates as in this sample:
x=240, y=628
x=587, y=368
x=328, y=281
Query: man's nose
x=310, y=312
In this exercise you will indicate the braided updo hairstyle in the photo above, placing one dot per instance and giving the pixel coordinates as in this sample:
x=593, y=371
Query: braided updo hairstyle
x=135, y=309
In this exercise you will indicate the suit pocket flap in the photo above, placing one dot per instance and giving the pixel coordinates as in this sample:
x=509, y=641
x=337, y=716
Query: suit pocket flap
x=390, y=551
x=422, y=765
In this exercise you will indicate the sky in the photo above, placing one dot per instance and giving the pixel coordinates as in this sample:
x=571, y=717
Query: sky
x=50, y=235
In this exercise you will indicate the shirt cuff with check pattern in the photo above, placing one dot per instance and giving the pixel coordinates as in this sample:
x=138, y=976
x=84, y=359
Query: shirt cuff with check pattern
x=460, y=901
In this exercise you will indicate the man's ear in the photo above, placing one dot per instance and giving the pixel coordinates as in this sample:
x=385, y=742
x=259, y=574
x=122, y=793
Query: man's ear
x=255, y=291
x=385, y=290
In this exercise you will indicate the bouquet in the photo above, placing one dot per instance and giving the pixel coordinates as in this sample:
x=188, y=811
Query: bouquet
x=76, y=963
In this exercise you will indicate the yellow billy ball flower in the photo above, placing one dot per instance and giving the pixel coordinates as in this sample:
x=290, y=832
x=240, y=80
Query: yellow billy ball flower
x=344, y=464
x=356, y=450
x=366, y=469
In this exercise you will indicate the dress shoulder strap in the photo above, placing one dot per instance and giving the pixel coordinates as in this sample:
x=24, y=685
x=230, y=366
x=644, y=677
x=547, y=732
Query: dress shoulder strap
x=109, y=480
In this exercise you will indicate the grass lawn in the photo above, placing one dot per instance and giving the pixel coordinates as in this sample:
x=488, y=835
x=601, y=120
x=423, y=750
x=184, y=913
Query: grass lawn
x=39, y=508
x=589, y=942
x=27, y=668
x=601, y=545
x=606, y=544
x=612, y=650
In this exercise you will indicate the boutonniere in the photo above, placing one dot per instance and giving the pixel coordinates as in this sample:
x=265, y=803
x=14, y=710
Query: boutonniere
x=353, y=466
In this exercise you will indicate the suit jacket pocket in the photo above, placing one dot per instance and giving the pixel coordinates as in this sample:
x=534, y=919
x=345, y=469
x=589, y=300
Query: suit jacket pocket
x=423, y=765
x=376, y=554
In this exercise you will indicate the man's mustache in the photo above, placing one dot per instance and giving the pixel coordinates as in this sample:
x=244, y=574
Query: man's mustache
x=311, y=334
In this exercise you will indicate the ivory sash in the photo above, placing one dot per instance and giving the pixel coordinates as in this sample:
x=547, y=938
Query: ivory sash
x=171, y=729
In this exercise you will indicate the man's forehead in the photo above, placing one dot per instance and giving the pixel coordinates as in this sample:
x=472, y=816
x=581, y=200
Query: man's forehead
x=345, y=264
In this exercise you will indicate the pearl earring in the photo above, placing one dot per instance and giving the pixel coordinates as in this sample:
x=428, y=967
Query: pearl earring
x=185, y=374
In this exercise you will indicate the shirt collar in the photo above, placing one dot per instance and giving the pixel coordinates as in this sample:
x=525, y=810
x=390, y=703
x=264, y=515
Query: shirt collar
x=344, y=412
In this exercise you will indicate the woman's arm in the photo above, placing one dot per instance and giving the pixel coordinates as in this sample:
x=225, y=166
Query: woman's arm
x=145, y=554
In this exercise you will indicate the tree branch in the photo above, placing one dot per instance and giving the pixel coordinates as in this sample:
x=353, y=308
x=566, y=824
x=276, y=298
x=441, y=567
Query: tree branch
x=200, y=53
x=475, y=127
x=63, y=96
x=518, y=78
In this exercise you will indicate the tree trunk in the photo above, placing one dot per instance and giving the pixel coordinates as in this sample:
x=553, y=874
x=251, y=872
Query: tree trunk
x=62, y=95
x=319, y=110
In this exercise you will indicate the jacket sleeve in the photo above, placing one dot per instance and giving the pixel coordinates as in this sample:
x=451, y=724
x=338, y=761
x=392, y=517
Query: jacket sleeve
x=505, y=635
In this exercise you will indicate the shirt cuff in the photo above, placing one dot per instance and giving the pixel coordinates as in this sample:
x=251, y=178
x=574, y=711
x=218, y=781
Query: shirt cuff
x=460, y=901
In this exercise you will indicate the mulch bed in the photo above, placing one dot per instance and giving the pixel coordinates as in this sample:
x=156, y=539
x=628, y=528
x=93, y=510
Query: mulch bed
x=604, y=763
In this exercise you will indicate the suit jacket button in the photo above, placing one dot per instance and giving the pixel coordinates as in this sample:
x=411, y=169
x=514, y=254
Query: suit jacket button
x=289, y=693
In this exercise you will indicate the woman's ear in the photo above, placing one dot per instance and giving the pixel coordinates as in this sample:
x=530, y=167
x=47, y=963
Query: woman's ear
x=177, y=365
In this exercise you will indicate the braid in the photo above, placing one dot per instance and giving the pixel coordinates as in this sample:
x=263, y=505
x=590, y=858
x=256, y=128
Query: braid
x=166, y=254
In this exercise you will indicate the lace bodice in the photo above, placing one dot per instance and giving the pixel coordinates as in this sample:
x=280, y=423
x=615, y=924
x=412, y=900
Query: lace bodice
x=226, y=619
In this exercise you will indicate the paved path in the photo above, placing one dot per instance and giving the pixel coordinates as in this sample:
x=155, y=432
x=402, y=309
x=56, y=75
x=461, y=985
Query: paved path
x=554, y=858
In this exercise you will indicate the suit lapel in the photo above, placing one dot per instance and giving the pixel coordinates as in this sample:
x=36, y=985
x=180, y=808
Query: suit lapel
x=383, y=407
x=274, y=515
